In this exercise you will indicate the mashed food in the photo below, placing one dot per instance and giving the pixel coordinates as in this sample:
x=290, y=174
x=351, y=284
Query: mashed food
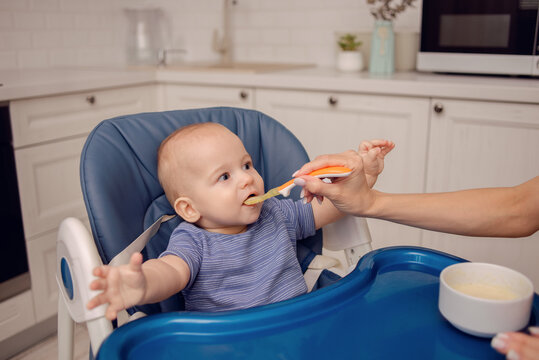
x=486, y=291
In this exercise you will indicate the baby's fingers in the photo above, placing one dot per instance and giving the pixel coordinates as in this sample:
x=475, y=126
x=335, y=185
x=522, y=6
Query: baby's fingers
x=112, y=312
x=101, y=271
x=387, y=148
x=98, y=284
x=96, y=301
x=135, y=263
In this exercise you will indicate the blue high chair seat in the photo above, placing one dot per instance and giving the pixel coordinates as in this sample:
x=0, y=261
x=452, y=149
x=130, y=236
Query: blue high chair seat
x=122, y=193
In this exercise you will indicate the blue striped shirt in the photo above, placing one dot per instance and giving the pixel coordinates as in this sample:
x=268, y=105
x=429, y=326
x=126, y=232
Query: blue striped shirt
x=256, y=267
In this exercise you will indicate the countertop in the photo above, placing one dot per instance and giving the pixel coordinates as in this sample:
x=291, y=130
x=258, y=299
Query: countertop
x=35, y=83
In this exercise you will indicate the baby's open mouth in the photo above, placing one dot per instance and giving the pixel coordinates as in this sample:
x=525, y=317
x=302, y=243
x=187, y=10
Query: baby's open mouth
x=248, y=197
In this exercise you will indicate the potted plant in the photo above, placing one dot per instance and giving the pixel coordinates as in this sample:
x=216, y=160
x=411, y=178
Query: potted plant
x=349, y=58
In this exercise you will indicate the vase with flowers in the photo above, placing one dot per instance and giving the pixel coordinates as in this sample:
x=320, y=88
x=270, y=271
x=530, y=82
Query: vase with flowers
x=382, y=60
x=349, y=58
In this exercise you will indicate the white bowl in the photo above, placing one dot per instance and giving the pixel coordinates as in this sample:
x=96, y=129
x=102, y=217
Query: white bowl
x=485, y=299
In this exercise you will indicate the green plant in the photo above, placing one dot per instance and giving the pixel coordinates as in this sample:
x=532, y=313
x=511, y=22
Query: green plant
x=347, y=42
x=387, y=10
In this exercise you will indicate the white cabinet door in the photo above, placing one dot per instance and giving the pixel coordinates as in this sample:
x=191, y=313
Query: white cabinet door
x=332, y=123
x=191, y=97
x=42, y=261
x=484, y=144
x=56, y=117
x=49, y=185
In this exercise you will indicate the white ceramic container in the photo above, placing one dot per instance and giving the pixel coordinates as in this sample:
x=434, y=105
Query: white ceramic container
x=349, y=61
x=485, y=299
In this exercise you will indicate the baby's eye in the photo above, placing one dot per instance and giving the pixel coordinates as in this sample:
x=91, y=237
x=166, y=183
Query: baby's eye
x=224, y=177
x=247, y=166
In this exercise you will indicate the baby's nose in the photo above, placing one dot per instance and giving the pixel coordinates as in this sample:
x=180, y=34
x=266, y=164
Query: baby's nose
x=246, y=179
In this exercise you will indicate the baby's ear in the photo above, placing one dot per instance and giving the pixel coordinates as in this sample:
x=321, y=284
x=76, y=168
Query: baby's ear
x=185, y=208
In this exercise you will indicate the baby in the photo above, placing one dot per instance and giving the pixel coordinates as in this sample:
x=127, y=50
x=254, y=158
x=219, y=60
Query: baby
x=226, y=255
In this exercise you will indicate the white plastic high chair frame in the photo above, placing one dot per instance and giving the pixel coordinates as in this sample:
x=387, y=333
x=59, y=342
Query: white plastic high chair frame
x=345, y=242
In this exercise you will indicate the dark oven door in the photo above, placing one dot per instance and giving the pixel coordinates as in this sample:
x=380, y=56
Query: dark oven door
x=14, y=277
x=505, y=27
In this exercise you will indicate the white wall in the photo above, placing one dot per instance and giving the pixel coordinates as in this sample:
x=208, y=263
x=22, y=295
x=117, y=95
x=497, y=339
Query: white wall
x=53, y=33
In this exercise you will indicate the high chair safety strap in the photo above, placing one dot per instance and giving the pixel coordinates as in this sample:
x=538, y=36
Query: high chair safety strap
x=140, y=242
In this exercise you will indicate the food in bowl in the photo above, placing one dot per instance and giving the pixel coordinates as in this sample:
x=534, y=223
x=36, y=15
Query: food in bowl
x=486, y=291
x=485, y=299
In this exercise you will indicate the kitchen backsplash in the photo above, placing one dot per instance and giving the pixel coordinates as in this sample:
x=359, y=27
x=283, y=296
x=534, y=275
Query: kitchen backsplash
x=54, y=33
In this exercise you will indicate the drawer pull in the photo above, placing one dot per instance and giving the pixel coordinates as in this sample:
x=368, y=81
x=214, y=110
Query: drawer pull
x=438, y=108
x=90, y=99
x=244, y=94
x=333, y=100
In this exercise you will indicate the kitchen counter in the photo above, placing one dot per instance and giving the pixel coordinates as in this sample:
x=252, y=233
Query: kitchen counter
x=404, y=84
x=34, y=83
x=18, y=84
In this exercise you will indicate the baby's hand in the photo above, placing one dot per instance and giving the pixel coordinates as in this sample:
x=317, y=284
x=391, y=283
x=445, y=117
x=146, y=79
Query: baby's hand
x=122, y=286
x=373, y=152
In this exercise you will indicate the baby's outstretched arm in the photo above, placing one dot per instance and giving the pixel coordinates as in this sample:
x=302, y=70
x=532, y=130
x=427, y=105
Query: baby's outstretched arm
x=136, y=283
x=373, y=153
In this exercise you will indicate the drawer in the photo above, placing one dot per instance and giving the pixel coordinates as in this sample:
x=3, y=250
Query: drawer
x=191, y=96
x=55, y=117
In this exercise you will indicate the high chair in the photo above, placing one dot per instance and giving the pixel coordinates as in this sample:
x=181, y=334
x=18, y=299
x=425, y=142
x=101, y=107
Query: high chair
x=124, y=199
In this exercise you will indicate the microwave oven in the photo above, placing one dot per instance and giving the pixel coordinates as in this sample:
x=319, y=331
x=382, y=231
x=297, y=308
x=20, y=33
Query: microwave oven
x=480, y=37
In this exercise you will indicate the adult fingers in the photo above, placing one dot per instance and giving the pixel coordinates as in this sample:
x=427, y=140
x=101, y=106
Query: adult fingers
x=346, y=159
x=517, y=345
x=314, y=187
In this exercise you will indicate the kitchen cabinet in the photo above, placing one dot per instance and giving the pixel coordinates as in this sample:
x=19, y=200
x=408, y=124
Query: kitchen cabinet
x=334, y=122
x=190, y=96
x=48, y=136
x=49, y=186
x=476, y=144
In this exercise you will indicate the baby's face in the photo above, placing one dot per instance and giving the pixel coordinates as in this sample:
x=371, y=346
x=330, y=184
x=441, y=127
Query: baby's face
x=223, y=177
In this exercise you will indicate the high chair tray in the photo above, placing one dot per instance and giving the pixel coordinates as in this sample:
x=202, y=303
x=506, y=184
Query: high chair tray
x=387, y=308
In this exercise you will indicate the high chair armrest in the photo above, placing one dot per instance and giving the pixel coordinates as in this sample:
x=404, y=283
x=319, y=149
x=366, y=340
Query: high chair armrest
x=76, y=257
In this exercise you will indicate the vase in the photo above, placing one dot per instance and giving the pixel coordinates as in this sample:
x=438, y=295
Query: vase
x=382, y=61
x=349, y=61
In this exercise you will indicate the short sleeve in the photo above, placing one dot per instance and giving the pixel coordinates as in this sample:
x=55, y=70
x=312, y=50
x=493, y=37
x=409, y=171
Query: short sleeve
x=185, y=245
x=299, y=216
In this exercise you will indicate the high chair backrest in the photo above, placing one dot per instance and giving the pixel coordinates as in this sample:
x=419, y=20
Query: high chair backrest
x=122, y=192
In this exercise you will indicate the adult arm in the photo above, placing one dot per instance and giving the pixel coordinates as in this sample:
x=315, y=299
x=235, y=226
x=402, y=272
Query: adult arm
x=499, y=212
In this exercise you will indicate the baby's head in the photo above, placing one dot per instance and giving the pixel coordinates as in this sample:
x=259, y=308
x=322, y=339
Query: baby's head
x=207, y=175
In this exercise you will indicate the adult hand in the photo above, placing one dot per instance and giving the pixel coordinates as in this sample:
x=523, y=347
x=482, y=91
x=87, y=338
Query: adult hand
x=349, y=194
x=518, y=345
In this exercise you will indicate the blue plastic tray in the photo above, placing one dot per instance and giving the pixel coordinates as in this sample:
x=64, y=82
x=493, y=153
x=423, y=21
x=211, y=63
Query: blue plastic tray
x=387, y=308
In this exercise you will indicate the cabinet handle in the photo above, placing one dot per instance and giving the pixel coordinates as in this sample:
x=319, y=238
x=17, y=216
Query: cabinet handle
x=333, y=100
x=438, y=108
x=244, y=94
x=90, y=99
